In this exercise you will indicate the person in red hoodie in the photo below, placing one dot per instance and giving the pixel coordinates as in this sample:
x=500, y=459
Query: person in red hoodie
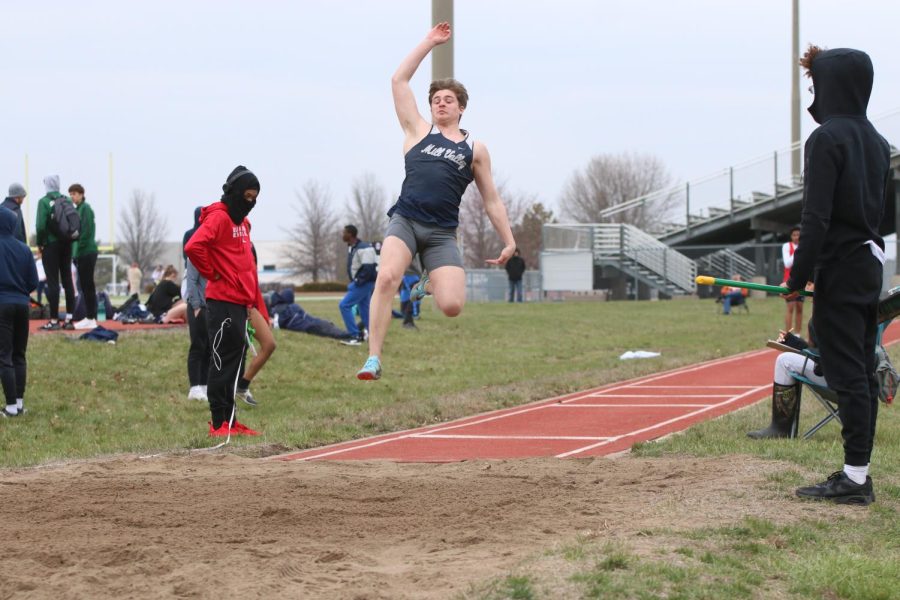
x=220, y=249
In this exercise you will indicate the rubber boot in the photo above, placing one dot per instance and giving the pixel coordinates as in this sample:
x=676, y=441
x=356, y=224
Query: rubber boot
x=785, y=413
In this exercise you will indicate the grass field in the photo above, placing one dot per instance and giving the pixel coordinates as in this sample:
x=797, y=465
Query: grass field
x=89, y=400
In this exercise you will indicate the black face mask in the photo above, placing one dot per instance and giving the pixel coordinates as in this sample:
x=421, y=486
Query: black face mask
x=238, y=207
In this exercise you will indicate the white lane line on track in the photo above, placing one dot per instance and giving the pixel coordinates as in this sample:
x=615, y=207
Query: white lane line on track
x=592, y=405
x=755, y=390
x=509, y=437
x=692, y=387
x=605, y=395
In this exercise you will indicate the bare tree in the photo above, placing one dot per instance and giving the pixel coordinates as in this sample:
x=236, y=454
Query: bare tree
x=367, y=208
x=479, y=240
x=143, y=231
x=311, y=247
x=611, y=179
x=529, y=231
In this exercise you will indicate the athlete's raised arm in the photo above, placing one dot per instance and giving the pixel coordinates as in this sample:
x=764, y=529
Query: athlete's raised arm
x=414, y=126
x=493, y=205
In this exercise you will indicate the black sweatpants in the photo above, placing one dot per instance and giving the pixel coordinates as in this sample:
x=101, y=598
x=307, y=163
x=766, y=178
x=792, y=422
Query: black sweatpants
x=86, y=265
x=198, y=354
x=227, y=333
x=845, y=321
x=57, y=257
x=13, y=344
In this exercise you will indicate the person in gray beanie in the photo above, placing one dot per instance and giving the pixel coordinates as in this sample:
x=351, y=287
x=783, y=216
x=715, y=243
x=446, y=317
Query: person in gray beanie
x=14, y=202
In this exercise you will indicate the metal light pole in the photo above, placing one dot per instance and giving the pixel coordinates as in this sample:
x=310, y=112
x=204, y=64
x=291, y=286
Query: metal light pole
x=442, y=56
x=795, y=93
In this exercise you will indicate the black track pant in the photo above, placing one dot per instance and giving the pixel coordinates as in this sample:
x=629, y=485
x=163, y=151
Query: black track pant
x=227, y=333
x=57, y=257
x=845, y=322
x=86, y=265
x=198, y=354
x=13, y=344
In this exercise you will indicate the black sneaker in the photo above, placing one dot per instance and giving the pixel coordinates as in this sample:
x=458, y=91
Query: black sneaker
x=68, y=325
x=246, y=396
x=51, y=326
x=6, y=413
x=840, y=489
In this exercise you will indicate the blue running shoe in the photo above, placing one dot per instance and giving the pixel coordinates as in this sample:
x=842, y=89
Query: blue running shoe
x=418, y=291
x=371, y=370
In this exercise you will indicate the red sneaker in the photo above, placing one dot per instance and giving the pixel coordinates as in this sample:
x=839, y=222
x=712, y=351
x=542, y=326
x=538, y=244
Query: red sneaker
x=222, y=431
x=241, y=429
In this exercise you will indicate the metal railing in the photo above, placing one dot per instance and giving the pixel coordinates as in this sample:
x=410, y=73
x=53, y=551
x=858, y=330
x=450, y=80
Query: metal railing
x=736, y=187
x=726, y=263
x=627, y=245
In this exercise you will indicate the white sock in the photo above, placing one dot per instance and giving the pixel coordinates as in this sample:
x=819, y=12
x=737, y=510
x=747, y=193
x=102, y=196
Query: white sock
x=857, y=474
x=20, y=404
x=203, y=387
x=12, y=409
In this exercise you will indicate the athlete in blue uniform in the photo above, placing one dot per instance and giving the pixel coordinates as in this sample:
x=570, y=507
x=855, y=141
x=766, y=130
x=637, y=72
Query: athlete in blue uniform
x=441, y=161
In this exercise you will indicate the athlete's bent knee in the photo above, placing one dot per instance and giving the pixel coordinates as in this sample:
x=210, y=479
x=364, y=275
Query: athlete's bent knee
x=452, y=309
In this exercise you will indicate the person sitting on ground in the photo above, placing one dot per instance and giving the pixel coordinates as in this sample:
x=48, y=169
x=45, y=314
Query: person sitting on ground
x=165, y=302
x=135, y=275
x=732, y=296
x=292, y=317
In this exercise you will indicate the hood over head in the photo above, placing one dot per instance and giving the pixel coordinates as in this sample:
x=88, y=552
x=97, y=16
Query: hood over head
x=842, y=83
x=239, y=181
x=190, y=232
x=51, y=182
x=285, y=296
x=8, y=221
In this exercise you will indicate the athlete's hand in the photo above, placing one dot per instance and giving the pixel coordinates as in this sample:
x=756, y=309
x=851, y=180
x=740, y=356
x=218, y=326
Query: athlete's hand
x=440, y=34
x=505, y=255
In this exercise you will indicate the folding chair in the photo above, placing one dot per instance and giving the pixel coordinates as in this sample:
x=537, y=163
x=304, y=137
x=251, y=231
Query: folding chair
x=827, y=397
x=887, y=310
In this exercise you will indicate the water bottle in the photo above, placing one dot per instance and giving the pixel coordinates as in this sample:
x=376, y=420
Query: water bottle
x=275, y=321
x=101, y=311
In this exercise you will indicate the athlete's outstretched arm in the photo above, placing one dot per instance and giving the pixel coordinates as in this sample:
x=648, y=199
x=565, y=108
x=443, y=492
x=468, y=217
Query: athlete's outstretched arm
x=404, y=100
x=493, y=205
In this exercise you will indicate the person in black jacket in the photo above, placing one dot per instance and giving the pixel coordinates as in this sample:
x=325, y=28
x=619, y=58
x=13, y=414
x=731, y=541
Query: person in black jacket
x=515, y=268
x=18, y=278
x=846, y=173
x=13, y=202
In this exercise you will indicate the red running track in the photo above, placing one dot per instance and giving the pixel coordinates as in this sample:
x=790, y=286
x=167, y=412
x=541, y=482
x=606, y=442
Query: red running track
x=594, y=422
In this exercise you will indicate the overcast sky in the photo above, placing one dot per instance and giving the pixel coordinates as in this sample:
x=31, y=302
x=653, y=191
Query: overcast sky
x=182, y=91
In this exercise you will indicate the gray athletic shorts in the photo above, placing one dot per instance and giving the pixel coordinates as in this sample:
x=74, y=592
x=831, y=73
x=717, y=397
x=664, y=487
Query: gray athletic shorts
x=436, y=245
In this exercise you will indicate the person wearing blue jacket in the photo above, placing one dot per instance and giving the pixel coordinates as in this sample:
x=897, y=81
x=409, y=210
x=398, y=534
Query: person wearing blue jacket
x=18, y=278
x=362, y=270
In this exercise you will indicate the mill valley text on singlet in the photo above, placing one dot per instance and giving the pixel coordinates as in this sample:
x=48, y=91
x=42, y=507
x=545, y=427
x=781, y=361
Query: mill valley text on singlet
x=438, y=171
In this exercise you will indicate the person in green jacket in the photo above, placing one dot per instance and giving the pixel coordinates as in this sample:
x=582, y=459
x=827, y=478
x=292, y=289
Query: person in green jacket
x=84, y=251
x=57, y=258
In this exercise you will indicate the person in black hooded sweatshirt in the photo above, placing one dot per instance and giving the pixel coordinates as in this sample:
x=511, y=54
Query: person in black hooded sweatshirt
x=847, y=165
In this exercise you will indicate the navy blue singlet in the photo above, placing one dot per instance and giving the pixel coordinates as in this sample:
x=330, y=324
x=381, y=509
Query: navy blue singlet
x=438, y=171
